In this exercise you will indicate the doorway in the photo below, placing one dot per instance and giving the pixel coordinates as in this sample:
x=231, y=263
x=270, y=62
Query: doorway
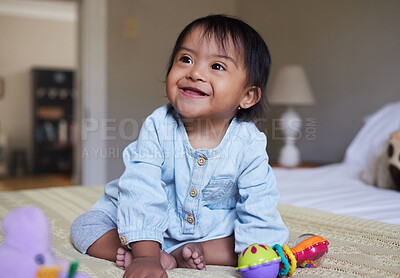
x=36, y=35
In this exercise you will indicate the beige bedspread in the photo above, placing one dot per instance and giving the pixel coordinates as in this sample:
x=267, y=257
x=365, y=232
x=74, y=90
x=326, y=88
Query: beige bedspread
x=358, y=248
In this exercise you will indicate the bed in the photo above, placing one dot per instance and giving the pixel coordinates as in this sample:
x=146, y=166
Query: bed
x=360, y=221
x=358, y=247
x=350, y=187
x=319, y=189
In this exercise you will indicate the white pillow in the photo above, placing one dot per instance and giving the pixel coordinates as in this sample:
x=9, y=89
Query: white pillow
x=371, y=140
x=376, y=172
x=368, y=149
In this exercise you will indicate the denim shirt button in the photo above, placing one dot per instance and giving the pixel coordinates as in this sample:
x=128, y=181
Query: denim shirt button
x=123, y=240
x=190, y=219
x=193, y=192
x=201, y=161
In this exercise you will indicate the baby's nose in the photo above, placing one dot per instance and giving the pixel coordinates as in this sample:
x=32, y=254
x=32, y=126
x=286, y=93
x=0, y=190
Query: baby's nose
x=197, y=73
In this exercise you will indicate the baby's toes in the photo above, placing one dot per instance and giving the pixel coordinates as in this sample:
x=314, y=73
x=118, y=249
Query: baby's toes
x=195, y=255
x=201, y=266
x=120, y=264
x=121, y=251
x=187, y=253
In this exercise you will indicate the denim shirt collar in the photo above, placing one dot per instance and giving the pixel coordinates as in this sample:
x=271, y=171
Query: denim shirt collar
x=208, y=153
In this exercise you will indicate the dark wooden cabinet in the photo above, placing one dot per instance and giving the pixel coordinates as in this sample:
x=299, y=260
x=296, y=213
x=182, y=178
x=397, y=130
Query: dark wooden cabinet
x=53, y=125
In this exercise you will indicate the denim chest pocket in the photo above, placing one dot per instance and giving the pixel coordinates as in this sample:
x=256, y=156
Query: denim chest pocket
x=221, y=193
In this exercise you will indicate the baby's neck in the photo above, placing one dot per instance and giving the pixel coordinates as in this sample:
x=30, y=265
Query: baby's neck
x=205, y=133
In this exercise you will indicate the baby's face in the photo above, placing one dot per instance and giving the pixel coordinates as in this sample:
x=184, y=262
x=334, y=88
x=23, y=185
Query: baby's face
x=206, y=82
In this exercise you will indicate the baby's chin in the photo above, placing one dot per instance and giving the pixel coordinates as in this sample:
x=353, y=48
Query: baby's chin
x=191, y=116
x=190, y=112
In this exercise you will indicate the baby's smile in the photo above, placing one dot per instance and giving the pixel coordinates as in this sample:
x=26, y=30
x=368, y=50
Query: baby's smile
x=193, y=92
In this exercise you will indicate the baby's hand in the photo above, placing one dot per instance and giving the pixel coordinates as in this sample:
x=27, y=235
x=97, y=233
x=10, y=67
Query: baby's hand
x=145, y=267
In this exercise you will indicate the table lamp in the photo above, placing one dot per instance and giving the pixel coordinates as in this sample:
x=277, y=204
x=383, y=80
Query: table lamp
x=290, y=88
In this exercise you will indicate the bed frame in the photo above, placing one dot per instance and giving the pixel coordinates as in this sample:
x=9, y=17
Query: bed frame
x=358, y=247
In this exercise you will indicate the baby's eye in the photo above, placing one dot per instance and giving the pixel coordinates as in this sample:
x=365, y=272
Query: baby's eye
x=217, y=67
x=186, y=59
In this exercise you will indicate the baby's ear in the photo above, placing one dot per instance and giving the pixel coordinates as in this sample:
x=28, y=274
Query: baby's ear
x=251, y=97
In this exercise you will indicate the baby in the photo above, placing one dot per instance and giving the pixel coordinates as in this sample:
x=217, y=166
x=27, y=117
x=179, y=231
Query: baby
x=197, y=188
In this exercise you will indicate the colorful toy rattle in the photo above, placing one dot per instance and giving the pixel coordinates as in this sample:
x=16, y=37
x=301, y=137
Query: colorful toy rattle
x=262, y=261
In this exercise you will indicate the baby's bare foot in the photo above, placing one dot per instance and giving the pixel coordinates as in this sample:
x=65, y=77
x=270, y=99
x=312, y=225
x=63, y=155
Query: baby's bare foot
x=167, y=261
x=124, y=258
x=190, y=255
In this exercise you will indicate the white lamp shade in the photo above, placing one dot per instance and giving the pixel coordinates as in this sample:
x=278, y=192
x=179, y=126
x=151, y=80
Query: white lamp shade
x=291, y=87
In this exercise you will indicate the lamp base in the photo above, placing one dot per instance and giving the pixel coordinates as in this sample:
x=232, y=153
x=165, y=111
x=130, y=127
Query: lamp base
x=289, y=155
x=291, y=126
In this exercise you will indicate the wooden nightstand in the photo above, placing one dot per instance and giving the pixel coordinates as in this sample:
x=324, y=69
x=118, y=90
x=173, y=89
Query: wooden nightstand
x=301, y=165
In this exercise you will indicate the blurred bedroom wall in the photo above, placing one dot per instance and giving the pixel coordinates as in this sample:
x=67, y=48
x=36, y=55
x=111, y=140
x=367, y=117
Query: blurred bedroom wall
x=349, y=50
x=137, y=61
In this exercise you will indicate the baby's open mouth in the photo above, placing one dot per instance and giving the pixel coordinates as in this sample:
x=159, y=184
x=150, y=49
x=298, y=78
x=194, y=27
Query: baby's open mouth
x=193, y=92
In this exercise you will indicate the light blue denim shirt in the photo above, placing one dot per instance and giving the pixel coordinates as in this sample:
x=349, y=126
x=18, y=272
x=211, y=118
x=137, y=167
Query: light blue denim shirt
x=174, y=194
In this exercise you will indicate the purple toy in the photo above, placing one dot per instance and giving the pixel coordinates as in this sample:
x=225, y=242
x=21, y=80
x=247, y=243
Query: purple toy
x=25, y=251
x=258, y=261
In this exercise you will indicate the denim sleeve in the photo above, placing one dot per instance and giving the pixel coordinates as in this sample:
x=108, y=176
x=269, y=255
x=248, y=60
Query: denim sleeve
x=142, y=201
x=258, y=218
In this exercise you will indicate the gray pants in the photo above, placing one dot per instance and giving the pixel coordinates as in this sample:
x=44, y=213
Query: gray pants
x=89, y=227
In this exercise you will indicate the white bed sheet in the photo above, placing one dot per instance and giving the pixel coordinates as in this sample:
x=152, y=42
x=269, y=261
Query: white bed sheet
x=337, y=189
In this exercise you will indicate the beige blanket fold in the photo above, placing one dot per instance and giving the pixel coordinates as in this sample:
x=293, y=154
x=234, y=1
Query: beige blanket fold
x=358, y=248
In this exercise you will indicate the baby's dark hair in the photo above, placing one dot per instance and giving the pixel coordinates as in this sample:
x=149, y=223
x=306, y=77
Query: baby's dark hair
x=247, y=42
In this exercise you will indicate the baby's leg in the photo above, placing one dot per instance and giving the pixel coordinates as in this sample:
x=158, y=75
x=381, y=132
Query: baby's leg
x=106, y=246
x=213, y=252
x=125, y=258
x=220, y=251
x=95, y=233
x=109, y=247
